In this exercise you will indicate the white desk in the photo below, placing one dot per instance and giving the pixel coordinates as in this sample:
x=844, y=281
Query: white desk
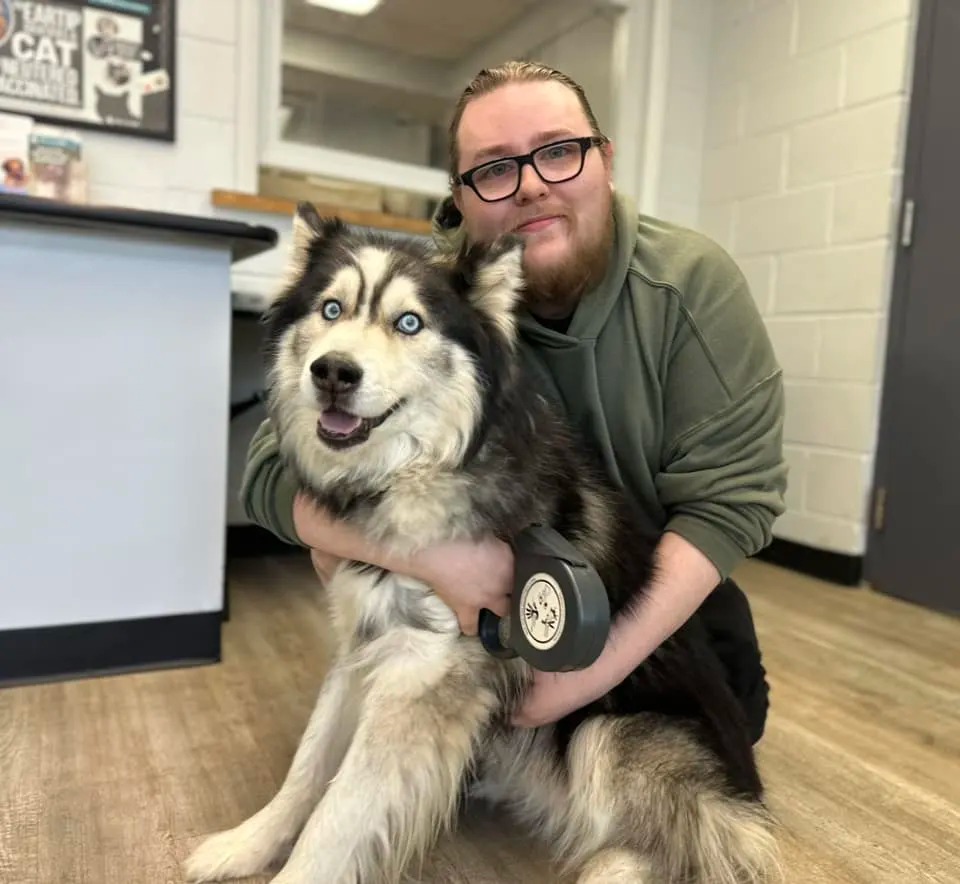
x=114, y=412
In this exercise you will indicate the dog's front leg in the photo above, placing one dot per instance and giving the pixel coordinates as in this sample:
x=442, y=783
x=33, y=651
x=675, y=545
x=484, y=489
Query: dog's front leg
x=399, y=784
x=262, y=839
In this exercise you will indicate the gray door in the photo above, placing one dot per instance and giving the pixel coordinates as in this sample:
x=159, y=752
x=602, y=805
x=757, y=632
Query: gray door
x=914, y=539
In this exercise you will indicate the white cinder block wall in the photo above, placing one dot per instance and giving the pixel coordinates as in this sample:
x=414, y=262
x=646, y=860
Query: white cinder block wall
x=684, y=126
x=803, y=149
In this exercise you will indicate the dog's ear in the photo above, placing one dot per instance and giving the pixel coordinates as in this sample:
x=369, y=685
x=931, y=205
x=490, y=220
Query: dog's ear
x=310, y=230
x=309, y=226
x=491, y=277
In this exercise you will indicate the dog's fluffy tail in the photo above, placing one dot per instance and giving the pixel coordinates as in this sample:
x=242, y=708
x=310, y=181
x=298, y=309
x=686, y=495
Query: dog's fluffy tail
x=641, y=793
x=721, y=840
x=708, y=839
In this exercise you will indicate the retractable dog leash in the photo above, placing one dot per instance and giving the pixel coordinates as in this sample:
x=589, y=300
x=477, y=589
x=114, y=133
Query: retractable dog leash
x=559, y=613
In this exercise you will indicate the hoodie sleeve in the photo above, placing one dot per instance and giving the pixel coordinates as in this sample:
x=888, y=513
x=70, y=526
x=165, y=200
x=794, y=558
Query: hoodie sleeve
x=267, y=489
x=722, y=478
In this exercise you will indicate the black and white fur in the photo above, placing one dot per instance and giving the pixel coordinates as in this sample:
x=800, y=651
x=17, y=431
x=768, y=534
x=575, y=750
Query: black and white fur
x=655, y=782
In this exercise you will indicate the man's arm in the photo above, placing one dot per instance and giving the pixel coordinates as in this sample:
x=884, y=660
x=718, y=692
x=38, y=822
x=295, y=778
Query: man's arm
x=724, y=478
x=267, y=489
x=685, y=577
x=723, y=475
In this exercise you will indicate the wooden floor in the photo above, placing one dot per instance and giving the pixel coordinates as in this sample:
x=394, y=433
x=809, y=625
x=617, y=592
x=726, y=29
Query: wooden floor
x=113, y=780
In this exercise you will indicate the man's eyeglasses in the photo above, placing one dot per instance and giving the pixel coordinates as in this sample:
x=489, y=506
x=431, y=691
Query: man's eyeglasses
x=555, y=162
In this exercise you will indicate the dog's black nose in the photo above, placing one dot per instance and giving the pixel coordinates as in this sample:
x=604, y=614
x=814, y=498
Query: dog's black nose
x=336, y=372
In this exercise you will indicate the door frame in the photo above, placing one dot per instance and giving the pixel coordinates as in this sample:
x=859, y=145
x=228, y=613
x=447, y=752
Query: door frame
x=909, y=222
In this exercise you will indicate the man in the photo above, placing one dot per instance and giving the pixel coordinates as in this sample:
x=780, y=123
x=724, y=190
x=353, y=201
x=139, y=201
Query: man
x=648, y=335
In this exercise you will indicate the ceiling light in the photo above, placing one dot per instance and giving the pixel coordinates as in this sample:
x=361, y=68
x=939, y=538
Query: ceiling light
x=351, y=7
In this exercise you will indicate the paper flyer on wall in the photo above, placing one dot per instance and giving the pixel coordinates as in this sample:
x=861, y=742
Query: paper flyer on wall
x=106, y=64
x=56, y=165
x=15, y=153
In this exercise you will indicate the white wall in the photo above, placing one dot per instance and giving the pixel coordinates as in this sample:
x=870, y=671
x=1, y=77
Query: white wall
x=584, y=53
x=685, y=114
x=804, y=138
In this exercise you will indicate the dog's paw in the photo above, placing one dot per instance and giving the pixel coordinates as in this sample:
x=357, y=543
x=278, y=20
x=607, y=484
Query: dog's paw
x=235, y=853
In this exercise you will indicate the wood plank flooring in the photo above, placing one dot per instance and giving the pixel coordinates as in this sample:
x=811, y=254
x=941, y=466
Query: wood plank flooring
x=113, y=780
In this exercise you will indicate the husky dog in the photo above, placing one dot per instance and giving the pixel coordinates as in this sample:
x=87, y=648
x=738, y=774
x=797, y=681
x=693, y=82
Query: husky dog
x=403, y=404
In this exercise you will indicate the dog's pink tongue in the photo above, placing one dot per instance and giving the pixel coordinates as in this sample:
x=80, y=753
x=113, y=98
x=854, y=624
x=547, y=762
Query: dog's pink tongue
x=339, y=422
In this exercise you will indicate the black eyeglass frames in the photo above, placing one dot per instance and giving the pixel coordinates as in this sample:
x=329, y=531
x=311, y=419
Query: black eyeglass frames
x=555, y=163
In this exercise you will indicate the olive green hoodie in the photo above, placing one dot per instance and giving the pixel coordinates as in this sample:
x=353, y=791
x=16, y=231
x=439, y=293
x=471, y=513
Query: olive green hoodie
x=668, y=367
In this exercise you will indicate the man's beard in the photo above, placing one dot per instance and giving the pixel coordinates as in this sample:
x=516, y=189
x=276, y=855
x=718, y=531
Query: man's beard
x=553, y=292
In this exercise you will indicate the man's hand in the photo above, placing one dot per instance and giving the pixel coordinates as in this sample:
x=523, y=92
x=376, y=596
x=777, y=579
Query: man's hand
x=469, y=576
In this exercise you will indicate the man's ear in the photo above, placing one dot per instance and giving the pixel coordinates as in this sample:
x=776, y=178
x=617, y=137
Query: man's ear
x=606, y=151
x=491, y=277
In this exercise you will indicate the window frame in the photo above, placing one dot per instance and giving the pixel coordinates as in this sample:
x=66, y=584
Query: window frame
x=640, y=59
x=313, y=159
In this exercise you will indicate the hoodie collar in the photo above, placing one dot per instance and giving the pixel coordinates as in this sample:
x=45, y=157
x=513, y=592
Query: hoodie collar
x=593, y=309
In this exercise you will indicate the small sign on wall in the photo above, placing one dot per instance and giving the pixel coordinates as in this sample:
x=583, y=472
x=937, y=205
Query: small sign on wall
x=97, y=64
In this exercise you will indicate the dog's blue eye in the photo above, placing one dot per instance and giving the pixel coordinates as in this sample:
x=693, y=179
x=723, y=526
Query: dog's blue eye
x=409, y=323
x=331, y=310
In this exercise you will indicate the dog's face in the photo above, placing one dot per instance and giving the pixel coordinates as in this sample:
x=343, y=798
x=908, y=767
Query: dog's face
x=382, y=353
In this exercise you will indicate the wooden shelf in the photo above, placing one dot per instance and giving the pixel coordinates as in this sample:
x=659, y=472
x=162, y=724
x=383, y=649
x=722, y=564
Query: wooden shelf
x=251, y=202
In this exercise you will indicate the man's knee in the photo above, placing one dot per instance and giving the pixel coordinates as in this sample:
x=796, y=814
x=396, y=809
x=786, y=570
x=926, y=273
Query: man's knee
x=728, y=620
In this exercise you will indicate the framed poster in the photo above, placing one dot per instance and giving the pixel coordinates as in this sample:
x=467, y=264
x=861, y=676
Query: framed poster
x=94, y=64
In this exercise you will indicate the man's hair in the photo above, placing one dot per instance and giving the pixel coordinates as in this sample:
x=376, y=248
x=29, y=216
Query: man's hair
x=516, y=71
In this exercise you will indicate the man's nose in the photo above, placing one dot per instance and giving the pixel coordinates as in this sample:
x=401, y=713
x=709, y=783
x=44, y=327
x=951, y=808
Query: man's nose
x=532, y=186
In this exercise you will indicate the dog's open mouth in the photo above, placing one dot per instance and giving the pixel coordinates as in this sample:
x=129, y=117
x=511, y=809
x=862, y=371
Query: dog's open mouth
x=341, y=429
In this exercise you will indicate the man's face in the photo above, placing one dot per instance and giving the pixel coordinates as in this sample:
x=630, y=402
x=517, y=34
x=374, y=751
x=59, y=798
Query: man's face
x=565, y=226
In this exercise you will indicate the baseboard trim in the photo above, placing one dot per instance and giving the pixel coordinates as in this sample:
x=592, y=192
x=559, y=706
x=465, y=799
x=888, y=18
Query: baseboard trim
x=82, y=650
x=841, y=568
